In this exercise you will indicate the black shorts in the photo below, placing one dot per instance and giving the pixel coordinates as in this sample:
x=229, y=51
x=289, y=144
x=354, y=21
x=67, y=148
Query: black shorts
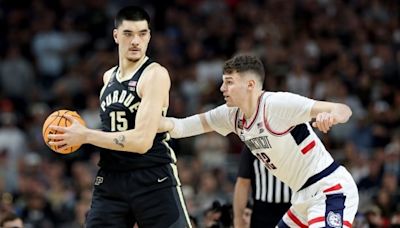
x=264, y=223
x=149, y=197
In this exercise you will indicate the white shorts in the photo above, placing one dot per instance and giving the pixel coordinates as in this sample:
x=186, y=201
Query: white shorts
x=330, y=202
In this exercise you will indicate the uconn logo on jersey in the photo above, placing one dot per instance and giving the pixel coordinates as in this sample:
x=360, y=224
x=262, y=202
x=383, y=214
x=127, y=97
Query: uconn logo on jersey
x=122, y=97
x=258, y=143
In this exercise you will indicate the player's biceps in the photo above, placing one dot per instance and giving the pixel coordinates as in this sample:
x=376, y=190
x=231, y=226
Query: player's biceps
x=319, y=107
x=148, y=117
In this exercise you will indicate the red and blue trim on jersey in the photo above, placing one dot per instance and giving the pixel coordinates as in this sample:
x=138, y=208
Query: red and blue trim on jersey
x=313, y=179
x=334, y=209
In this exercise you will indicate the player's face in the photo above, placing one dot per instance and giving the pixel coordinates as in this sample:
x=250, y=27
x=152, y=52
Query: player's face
x=233, y=88
x=132, y=38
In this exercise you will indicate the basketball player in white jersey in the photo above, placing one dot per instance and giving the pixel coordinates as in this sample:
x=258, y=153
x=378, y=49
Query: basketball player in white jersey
x=275, y=127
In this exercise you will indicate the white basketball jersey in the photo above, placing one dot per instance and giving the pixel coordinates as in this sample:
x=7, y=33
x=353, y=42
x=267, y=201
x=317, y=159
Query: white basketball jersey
x=278, y=134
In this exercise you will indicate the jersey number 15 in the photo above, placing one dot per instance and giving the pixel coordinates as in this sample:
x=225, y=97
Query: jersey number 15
x=118, y=121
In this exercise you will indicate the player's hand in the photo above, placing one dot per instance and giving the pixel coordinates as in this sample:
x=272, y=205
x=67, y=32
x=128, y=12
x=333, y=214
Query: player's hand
x=72, y=135
x=324, y=121
x=165, y=125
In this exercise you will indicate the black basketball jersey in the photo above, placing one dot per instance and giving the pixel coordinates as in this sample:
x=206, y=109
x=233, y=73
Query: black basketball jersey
x=119, y=102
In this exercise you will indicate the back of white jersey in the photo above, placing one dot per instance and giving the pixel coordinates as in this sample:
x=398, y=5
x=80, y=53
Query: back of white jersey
x=279, y=135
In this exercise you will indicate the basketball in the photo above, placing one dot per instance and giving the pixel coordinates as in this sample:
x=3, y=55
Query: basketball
x=57, y=118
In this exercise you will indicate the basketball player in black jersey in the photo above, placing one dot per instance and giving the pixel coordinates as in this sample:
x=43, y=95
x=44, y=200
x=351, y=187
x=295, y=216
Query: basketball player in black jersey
x=137, y=181
x=271, y=197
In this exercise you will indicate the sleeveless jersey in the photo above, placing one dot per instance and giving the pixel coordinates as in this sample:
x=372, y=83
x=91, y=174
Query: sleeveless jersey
x=119, y=102
x=279, y=135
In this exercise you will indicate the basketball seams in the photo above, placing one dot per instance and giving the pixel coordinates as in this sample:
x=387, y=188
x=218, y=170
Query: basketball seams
x=56, y=118
x=55, y=115
x=58, y=124
x=66, y=121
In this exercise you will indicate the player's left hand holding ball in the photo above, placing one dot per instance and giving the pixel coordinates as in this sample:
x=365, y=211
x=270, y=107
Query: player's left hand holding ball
x=72, y=135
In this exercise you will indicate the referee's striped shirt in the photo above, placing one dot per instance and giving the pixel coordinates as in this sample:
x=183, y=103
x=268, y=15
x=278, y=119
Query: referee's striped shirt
x=265, y=186
x=269, y=195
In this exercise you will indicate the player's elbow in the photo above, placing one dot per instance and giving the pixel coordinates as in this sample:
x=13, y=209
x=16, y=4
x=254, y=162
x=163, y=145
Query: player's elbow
x=344, y=113
x=144, y=148
x=143, y=145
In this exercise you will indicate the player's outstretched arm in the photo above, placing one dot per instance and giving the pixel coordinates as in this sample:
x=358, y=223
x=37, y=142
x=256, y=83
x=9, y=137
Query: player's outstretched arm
x=185, y=127
x=327, y=114
x=154, y=89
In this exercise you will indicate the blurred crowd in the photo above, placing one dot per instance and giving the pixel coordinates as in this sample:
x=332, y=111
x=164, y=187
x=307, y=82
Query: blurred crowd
x=53, y=55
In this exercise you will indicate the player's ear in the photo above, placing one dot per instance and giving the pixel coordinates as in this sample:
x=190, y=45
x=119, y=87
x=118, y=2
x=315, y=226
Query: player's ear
x=115, y=35
x=251, y=84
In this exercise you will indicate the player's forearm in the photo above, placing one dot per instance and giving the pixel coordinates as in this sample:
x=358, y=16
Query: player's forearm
x=239, y=205
x=240, y=198
x=238, y=222
x=165, y=124
x=341, y=112
x=189, y=126
x=128, y=141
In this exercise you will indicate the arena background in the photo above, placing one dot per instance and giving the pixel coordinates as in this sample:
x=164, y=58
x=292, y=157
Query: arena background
x=53, y=55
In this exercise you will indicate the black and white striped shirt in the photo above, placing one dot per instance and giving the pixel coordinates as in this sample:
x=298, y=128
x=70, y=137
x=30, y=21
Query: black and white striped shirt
x=266, y=187
x=269, y=195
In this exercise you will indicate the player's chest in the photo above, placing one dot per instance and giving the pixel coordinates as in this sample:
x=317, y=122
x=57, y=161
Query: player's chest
x=119, y=96
x=258, y=138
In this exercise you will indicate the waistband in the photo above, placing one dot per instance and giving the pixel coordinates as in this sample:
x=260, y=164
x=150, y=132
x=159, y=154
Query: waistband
x=313, y=179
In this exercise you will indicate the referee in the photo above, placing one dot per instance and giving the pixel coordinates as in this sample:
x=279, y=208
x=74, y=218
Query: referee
x=271, y=198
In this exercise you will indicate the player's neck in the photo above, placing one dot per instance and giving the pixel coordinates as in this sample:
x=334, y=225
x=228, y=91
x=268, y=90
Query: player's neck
x=249, y=108
x=126, y=67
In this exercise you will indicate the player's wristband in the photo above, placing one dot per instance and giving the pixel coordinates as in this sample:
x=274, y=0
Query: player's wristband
x=186, y=127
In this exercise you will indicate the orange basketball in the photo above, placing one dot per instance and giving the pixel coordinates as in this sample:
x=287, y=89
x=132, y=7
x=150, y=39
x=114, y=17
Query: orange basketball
x=57, y=118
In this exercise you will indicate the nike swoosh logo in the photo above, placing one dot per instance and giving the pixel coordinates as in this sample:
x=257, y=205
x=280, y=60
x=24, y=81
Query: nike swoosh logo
x=162, y=179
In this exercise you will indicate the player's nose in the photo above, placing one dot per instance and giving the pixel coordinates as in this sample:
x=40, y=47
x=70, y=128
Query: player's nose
x=222, y=88
x=135, y=40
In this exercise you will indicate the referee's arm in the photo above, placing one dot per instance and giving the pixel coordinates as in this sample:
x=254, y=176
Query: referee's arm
x=240, y=197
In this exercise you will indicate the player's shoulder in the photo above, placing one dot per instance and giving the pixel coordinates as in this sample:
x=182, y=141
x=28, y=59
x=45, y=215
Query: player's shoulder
x=272, y=97
x=155, y=66
x=277, y=95
x=156, y=71
x=108, y=73
x=225, y=109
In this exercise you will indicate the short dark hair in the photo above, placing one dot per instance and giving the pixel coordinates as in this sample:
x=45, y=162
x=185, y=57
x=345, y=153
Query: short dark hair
x=8, y=218
x=245, y=63
x=131, y=13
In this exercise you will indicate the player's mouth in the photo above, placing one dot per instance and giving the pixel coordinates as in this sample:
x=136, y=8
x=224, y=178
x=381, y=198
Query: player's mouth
x=134, y=49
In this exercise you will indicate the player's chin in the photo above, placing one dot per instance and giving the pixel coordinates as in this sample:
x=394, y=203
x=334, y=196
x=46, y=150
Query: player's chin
x=133, y=58
x=229, y=104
